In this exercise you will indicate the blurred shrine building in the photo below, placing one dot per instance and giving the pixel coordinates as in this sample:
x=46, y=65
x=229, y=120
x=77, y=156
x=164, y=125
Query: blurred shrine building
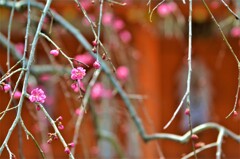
x=156, y=55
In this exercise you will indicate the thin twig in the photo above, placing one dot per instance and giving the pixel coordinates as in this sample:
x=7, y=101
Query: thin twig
x=28, y=133
x=150, y=16
x=208, y=146
x=188, y=101
x=52, y=122
x=230, y=10
x=176, y=111
x=231, y=50
x=83, y=107
x=9, y=33
x=133, y=114
x=25, y=83
x=99, y=25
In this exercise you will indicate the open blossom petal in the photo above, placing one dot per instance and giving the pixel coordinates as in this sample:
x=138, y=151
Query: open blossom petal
x=37, y=95
x=78, y=73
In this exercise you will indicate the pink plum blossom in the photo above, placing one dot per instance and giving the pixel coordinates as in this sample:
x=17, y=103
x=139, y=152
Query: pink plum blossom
x=17, y=95
x=118, y=24
x=98, y=91
x=166, y=8
x=125, y=36
x=37, y=95
x=122, y=73
x=78, y=73
x=163, y=10
x=6, y=87
x=85, y=58
x=107, y=19
x=235, y=32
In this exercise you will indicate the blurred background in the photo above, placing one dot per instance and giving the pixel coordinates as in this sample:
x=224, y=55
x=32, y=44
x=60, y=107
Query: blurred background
x=155, y=57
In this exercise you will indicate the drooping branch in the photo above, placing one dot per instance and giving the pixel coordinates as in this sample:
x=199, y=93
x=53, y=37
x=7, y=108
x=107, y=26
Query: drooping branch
x=28, y=66
x=75, y=32
x=232, y=52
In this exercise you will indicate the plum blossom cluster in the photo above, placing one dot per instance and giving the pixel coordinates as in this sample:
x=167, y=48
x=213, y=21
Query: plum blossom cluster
x=37, y=95
x=118, y=25
x=78, y=73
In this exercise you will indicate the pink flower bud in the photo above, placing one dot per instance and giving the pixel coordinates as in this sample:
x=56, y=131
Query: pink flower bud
x=71, y=144
x=194, y=137
x=17, y=95
x=122, y=73
x=67, y=151
x=187, y=111
x=60, y=127
x=49, y=141
x=75, y=86
x=96, y=65
x=235, y=113
x=38, y=108
x=60, y=118
x=55, y=137
x=94, y=43
x=54, y=52
x=6, y=87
